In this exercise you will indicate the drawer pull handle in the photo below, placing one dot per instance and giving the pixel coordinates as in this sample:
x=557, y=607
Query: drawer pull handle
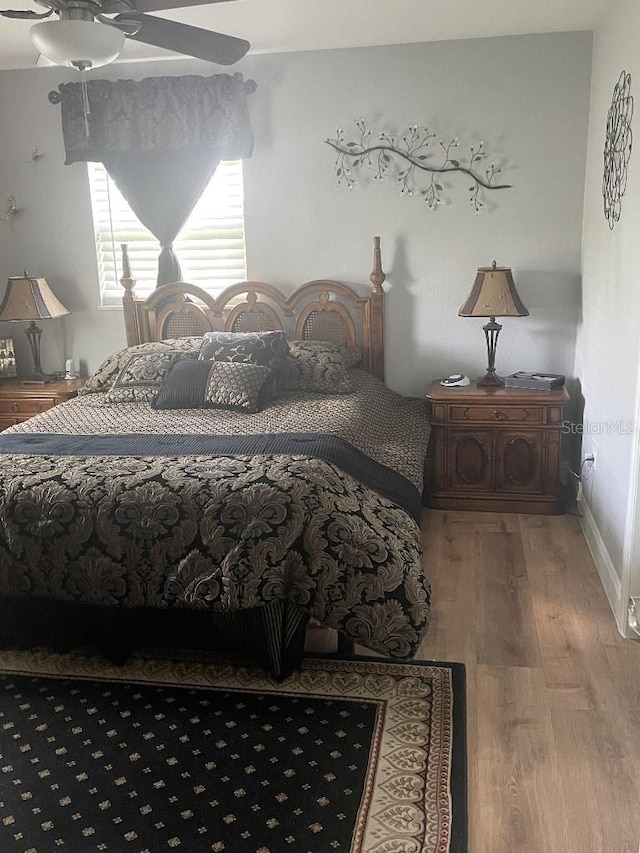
x=15, y=407
x=497, y=415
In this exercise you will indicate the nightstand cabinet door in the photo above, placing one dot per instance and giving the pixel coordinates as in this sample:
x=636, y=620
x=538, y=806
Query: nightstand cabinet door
x=519, y=461
x=470, y=459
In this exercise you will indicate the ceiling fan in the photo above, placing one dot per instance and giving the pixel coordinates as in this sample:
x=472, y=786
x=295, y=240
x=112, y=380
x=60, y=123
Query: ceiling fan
x=91, y=33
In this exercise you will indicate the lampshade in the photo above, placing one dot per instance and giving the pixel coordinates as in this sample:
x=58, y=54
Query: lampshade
x=78, y=44
x=493, y=295
x=29, y=298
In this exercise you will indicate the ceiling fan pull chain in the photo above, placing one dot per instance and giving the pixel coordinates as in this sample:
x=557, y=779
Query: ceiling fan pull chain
x=85, y=101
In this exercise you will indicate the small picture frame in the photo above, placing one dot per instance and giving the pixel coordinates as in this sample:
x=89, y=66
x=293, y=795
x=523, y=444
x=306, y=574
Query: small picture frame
x=7, y=358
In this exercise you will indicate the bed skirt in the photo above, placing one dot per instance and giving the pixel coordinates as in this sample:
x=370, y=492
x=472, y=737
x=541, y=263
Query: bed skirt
x=274, y=633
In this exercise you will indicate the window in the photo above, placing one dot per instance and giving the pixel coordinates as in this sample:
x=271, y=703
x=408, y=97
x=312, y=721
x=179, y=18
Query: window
x=210, y=247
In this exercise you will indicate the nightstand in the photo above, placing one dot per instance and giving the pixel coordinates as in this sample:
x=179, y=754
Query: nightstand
x=20, y=402
x=496, y=449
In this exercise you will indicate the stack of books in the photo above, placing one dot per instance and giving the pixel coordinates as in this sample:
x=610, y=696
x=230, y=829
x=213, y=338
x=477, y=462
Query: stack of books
x=534, y=381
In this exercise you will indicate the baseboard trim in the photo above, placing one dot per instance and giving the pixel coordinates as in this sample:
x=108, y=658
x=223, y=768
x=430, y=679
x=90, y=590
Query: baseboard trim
x=604, y=564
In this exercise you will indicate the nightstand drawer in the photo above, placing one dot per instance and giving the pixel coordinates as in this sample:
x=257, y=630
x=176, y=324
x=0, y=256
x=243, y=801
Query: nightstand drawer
x=6, y=422
x=20, y=400
x=27, y=407
x=498, y=414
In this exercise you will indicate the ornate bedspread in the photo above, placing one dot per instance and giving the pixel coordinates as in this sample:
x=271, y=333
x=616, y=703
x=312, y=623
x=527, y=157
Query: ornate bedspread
x=392, y=429
x=224, y=530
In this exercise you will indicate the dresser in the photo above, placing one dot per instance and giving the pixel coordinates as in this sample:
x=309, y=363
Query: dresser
x=20, y=402
x=495, y=449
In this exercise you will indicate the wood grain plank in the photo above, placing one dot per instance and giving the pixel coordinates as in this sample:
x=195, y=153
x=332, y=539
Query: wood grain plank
x=448, y=564
x=516, y=757
x=551, y=581
x=599, y=780
x=507, y=634
x=554, y=716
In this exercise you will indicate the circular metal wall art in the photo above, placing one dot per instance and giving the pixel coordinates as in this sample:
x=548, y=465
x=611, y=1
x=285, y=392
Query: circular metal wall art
x=617, y=148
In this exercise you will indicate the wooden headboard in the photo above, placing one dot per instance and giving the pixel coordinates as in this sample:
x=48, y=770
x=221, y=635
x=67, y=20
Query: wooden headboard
x=318, y=310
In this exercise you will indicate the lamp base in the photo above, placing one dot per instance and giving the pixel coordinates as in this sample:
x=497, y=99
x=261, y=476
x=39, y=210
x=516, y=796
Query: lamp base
x=490, y=380
x=38, y=377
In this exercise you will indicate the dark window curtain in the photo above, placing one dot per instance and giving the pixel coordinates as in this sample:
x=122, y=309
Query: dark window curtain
x=161, y=140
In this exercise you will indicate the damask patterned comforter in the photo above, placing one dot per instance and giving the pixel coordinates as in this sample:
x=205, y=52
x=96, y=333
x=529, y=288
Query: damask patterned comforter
x=176, y=516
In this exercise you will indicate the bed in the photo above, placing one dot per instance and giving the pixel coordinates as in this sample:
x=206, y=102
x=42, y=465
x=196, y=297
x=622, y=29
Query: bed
x=146, y=517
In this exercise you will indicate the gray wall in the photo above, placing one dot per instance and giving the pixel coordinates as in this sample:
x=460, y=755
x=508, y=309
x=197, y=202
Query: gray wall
x=527, y=97
x=607, y=360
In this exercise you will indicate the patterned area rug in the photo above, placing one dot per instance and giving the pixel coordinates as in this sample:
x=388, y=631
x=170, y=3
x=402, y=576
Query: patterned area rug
x=354, y=756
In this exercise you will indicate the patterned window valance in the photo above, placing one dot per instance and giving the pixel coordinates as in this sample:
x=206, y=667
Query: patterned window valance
x=161, y=114
x=161, y=140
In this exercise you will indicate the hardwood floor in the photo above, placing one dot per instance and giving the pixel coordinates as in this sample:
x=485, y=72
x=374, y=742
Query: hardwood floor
x=553, y=690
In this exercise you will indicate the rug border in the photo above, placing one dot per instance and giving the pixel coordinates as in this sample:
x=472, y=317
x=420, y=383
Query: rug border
x=459, y=763
x=459, y=837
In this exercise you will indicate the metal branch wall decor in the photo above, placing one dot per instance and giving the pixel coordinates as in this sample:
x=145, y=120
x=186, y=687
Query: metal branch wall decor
x=417, y=154
x=617, y=148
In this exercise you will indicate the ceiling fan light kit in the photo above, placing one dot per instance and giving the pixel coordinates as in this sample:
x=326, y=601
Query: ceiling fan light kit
x=78, y=44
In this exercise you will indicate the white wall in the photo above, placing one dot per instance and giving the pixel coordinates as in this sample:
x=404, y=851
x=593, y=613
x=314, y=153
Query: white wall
x=607, y=355
x=527, y=97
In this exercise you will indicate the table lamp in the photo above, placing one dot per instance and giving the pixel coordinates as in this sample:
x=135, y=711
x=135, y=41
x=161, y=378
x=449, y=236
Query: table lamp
x=28, y=298
x=493, y=295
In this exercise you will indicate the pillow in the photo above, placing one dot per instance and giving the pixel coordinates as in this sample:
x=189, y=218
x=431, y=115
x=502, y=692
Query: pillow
x=352, y=357
x=106, y=374
x=234, y=385
x=141, y=377
x=184, y=386
x=266, y=348
x=318, y=366
x=215, y=385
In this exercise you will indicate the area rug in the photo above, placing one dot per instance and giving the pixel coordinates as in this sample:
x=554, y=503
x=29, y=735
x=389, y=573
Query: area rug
x=354, y=756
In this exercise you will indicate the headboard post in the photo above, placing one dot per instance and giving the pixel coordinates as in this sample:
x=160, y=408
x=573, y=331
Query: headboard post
x=374, y=316
x=130, y=321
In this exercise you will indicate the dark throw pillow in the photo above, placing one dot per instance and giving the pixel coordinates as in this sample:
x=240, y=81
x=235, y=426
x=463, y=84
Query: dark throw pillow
x=184, y=386
x=265, y=348
x=234, y=385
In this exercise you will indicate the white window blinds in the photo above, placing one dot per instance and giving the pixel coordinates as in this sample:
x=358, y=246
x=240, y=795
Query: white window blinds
x=210, y=247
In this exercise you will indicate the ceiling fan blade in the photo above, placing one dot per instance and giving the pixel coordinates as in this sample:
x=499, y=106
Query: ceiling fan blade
x=192, y=41
x=25, y=15
x=162, y=5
